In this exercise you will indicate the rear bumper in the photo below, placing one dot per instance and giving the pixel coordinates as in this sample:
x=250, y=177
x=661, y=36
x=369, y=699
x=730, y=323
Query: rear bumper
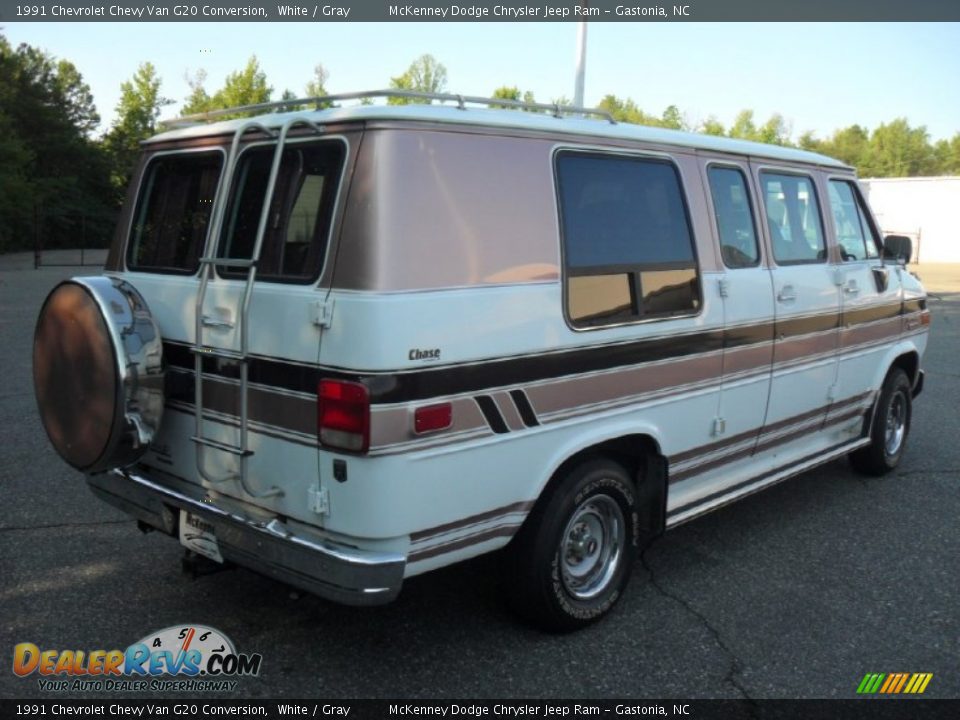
x=331, y=570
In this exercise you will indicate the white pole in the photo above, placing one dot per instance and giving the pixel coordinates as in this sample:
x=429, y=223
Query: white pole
x=581, y=63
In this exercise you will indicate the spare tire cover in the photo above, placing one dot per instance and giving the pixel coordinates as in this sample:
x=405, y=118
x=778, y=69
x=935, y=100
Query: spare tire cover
x=98, y=372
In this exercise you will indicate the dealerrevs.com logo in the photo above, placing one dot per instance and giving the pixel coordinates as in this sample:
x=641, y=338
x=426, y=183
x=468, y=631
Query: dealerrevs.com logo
x=188, y=658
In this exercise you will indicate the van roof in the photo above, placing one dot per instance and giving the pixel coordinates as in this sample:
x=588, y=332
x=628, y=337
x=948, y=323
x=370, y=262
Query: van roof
x=509, y=119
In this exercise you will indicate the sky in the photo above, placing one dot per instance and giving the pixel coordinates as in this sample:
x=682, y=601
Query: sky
x=819, y=76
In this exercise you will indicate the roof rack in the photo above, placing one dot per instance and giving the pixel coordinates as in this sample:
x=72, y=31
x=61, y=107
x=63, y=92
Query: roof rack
x=321, y=101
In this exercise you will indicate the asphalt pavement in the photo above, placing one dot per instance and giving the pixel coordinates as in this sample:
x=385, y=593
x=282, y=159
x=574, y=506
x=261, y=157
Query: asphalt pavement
x=796, y=592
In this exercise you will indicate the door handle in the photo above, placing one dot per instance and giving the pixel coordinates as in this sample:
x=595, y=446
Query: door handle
x=787, y=294
x=851, y=288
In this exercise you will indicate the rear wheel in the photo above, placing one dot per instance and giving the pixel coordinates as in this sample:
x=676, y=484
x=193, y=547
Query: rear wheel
x=573, y=556
x=891, y=426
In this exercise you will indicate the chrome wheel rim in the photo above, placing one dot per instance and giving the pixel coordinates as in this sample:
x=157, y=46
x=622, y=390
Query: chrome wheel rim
x=896, y=423
x=591, y=547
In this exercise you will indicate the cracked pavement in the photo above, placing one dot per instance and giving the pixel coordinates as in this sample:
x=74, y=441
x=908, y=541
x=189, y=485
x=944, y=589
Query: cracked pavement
x=797, y=591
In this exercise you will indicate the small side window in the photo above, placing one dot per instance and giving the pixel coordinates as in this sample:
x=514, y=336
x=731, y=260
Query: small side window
x=734, y=213
x=173, y=212
x=628, y=246
x=855, y=236
x=793, y=217
x=301, y=211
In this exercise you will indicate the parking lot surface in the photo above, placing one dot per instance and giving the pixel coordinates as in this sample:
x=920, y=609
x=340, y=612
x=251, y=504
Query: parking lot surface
x=798, y=591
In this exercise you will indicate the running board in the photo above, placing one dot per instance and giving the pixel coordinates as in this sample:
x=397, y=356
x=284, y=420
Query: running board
x=748, y=487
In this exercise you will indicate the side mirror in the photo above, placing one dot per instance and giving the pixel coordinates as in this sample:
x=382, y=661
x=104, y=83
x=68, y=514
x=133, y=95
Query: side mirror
x=898, y=247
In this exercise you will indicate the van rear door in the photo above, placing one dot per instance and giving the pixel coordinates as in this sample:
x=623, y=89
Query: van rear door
x=252, y=321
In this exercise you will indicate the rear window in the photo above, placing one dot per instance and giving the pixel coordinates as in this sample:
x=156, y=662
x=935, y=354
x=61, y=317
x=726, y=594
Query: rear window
x=173, y=212
x=734, y=214
x=298, y=225
x=628, y=246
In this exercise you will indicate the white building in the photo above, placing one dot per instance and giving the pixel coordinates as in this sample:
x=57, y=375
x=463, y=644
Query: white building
x=926, y=209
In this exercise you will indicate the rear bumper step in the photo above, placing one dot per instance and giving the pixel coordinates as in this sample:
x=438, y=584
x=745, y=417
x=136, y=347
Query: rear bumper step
x=331, y=570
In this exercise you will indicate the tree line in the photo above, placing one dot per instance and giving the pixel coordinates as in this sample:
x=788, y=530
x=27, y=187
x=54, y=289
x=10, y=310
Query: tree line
x=60, y=180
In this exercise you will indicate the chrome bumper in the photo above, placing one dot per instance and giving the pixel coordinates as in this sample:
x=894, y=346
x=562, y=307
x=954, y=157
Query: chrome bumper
x=328, y=569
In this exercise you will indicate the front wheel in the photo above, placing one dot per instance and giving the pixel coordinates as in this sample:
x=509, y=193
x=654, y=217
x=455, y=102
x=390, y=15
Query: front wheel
x=891, y=425
x=573, y=556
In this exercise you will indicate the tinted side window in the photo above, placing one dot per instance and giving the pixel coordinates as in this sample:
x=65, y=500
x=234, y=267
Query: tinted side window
x=854, y=234
x=628, y=247
x=301, y=210
x=173, y=212
x=731, y=205
x=793, y=216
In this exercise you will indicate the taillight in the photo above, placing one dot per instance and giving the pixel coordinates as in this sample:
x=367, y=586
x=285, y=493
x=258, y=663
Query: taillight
x=343, y=414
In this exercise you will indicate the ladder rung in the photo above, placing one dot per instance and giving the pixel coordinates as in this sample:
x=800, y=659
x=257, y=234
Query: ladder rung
x=208, y=351
x=229, y=262
x=226, y=447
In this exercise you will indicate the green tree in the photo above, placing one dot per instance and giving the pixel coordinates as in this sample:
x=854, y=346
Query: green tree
x=625, y=110
x=77, y=98
x=48, y=162
x=424, y=75
x=808, y=141
x=317, y=87
x=512, y=92
x=672, y=118
x=712, y=126
x=775, y=131
x=898, y=150
x=198, y=100
x=16, y=188
x=743, y=126
x=506, y=92
x=137, y=113
x=850, y=144
x=243, y=87
x=948, y=156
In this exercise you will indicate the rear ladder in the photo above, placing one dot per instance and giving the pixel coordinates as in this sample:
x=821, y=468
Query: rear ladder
x=201, y=350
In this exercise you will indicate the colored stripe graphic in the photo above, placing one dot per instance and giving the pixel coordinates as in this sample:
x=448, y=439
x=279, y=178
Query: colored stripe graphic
x=894, y=683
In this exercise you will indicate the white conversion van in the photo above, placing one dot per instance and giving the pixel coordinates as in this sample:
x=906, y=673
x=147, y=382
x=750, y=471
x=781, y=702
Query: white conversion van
x=347, y=346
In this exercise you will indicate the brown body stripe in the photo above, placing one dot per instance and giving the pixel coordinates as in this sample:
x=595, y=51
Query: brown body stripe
x=426, y=553
x=763, y=445
x=570, y=395
x=471, y=520
x=773, y=427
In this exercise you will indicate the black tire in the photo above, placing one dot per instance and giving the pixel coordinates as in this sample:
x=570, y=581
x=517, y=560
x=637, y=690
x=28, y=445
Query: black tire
x=569, y=563
x=891, y=426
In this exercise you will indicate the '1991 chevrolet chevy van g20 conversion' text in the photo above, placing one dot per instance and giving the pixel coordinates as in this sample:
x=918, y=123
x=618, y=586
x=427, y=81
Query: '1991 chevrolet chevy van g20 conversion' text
x=347, y=346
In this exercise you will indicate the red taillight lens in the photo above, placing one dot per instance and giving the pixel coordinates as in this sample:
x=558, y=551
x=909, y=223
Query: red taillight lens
x=343, y=414
x=432, y=418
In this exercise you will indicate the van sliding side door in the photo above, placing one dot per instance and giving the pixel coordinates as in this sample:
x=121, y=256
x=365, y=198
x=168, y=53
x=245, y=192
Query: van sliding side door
x=748, y=310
